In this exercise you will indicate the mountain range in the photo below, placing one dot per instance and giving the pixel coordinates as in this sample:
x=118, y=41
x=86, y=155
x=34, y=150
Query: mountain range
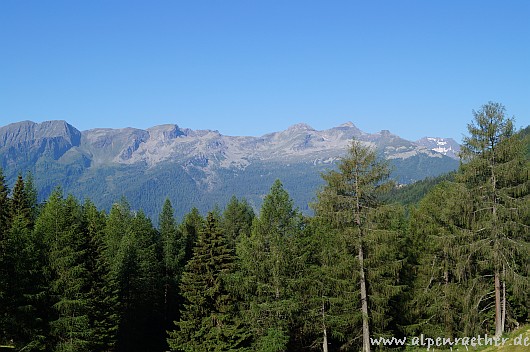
x=200, y=167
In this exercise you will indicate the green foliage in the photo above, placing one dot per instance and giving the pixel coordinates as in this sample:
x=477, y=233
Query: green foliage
x=438, y=227
x=411, y=194
x=75, y=279
x=350, y=204
x=104, y=303
x=237, y=220
x=174, y=255
x=208, y=320
x=21, y=277
x=133, y=250
x=61, y=226
x=496, y=173
x=269, y=268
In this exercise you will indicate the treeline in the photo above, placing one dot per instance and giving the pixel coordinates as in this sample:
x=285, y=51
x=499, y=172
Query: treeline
x=74, y=278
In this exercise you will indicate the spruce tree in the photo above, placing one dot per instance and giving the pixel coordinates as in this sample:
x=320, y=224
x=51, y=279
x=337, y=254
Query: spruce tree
x=4, y=227
x=104, y=304
x=237, y=220
x=208, y=319
x=267, y=262
x=190, y=227
x=440, y=304
x=350, y=203
x=61, y=226
x=173, y=252
x=22, y=320
x=134, y=253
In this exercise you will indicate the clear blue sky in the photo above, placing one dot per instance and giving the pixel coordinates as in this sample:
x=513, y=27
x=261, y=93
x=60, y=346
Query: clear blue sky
x=251, y=67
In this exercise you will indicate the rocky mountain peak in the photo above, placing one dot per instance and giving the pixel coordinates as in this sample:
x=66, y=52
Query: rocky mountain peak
x=22, y=132
x=300, y=127
x=446, y=146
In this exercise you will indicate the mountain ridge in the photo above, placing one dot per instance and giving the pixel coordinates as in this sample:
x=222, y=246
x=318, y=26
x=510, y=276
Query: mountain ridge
x=206, y=163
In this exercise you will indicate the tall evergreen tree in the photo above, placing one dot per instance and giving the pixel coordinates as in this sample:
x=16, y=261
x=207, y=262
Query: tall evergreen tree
x=350, y=203
x=496, y=173
x=237, y=220
x=267, y=265
x=440, y=304
x=190, y=227
x=20, y=205
x=104, y=304
x=21, y=277
x=173, y=252
x=4, y=227
x=133, y=250
x=208, y=321
x=61, y=226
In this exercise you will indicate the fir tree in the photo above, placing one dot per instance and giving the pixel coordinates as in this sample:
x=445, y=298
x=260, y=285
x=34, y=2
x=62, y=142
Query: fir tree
x=208, y=319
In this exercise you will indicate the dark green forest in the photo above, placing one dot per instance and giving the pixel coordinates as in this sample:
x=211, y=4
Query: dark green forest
x=447, y=257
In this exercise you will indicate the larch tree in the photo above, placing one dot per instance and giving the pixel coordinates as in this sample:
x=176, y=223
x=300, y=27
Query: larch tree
x=350, y=203
x=495, y=172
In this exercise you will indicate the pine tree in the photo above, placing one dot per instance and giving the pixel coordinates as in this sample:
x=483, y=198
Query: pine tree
x=349, y=203
x=208, y=320
x=495, y=172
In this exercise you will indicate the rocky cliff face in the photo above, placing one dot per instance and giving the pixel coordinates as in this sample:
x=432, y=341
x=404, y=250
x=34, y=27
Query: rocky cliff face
x=26, y=142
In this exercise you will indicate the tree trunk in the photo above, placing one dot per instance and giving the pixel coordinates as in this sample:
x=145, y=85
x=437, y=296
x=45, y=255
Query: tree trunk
x=325, y=342
x=364, y=303
x=498, y=313
x=324, y=331
x=503, y=319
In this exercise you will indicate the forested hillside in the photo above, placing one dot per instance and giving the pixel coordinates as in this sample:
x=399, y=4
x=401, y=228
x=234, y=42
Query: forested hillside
x=455, y=263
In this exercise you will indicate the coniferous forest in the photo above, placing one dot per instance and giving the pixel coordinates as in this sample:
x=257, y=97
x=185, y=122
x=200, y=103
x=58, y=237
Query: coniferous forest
x=454, y=262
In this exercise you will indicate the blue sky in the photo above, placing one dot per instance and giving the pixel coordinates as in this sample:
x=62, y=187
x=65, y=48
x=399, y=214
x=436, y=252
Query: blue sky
x=248, y=67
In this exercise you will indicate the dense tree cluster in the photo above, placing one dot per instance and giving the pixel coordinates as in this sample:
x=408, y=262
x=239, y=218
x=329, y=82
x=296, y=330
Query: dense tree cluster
x=74, y=278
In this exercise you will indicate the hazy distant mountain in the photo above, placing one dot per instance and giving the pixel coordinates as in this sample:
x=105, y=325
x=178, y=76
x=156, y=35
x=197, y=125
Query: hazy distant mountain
x=198, y=167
